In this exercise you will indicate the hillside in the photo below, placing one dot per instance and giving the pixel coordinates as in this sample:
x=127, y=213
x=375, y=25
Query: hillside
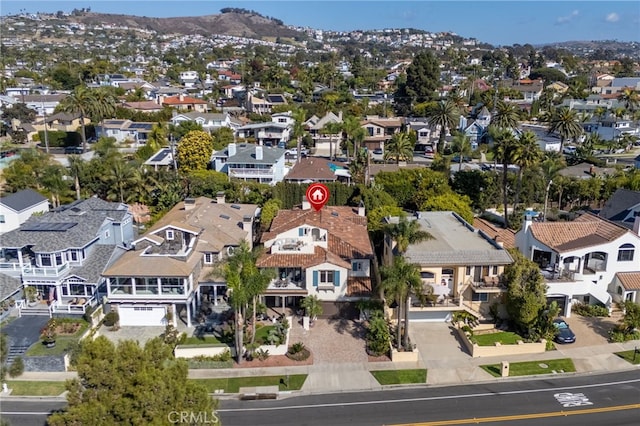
x=232, y=24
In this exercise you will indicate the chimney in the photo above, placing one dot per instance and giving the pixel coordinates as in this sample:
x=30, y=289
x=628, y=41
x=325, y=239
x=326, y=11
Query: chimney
x=189, y=203
x=498, y=241
x=220, y=197
x=247, y=226
x=361, y=209
x=305, y=203
x=231, y=149
x=259, y=155
x=181, y=97
x=636, y=223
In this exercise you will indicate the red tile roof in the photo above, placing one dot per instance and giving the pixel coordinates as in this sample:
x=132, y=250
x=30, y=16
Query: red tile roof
x=629, y=280
x=358, y=286
x=186, y=100
x=506, y=236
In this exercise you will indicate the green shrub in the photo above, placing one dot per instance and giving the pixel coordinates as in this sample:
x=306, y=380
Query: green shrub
x=298, y=352
x=262, y=354
x=111, y=319
x=587, y=310
x=17, y=367
x=378, y=335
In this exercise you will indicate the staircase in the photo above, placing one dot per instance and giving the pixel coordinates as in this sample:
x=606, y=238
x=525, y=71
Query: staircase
x=39, y=309
x=15, y=351
x=616, y=313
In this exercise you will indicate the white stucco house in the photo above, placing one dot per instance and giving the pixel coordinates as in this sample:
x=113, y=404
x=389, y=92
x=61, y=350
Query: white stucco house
x=580, y=260
x=16, y=208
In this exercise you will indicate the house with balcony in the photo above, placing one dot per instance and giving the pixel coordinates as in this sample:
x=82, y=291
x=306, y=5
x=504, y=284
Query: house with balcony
x=171, y=268
x=580, y=259
x=326, y=253
x=379, y=130
x=461, y=267
x=209, y=121
x=125, y=130
x=250, y=162
x=17, y=208
x=63, y=252
x=268, y=133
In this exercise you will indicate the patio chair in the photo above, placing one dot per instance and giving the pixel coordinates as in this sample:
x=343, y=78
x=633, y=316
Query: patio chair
x=73, y=301
x=82, y=301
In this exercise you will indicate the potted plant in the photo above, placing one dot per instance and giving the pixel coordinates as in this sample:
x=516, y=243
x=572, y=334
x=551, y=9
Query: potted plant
x=31, y=294
x=12, y=302
x=48, y=333
x=4, y=305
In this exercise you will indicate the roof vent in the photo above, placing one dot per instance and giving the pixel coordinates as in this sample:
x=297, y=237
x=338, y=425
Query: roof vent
x=334, y=213
x=235, y=206
x=224, y=216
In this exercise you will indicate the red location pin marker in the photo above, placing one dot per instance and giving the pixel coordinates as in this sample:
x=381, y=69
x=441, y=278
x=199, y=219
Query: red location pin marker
x=317, y=195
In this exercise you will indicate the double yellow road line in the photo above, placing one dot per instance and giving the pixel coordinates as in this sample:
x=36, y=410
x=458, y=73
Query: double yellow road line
x=525, y=416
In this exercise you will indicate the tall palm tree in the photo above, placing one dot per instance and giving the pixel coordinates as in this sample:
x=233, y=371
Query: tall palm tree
x=565, y=122
x=504, y=151
x=629, y=98
x=461, y=144
x=298, y=130
x=443, y=115
x=405, y=233
x=399, y=148
x=104, y=106
x=332, y=128
x=119, y=177
x=528, y=156
x=359, y=167
x=76, y=166
x=399, y=281
x=506, y=116
x=81, y=102
x=354, y=133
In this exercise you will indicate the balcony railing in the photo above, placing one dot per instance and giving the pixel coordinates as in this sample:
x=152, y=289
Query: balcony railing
x=239, y=172
x=286, y=284
x=45, y=271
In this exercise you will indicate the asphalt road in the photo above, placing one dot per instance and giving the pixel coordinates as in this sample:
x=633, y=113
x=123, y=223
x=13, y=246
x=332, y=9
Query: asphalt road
x=582, y=400
x=612, y=399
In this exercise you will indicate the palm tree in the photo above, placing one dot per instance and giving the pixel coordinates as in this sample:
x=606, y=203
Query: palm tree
x=565, y=122
x=405, y=233
x=76, y=166
x=400, y=148
x=629, y=97
x=444, y=115
x=104, y=106
x=504, y=151
x=298, y=131
x=528, y=156
x=81, y=102
x=506, y=116
x=354, y=133
x=462, y=145
x=312, y=307
x=333, y=128
x=399, y=281
x=359, y=167
x=119, y=177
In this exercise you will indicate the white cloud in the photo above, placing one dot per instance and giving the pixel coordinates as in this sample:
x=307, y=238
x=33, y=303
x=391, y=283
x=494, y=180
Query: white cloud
x=568, y=18
x=612, y=17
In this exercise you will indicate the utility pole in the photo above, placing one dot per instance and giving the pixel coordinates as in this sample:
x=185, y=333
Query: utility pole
x=46, y=133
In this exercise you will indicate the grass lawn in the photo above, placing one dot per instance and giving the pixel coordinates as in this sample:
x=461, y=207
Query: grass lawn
x=630, y=356
x=204, y=340
x=233, y=384
x=63, y=343
x=530, y=368
x=35, y=388
x=490, y=339
x=262, y=333
x=399, y=377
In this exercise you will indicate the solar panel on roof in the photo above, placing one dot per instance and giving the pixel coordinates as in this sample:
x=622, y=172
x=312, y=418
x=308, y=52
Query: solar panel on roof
x=161, y=155
x=49, y=226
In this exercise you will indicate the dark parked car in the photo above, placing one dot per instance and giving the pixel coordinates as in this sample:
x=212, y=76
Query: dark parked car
x=73, y=150
x=565, y=335
x=465, y=159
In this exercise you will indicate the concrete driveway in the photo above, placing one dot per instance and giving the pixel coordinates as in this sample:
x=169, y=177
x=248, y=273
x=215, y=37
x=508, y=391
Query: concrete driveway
x=589, y=331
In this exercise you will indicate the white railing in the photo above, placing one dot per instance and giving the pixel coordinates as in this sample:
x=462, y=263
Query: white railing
x=237, y=171
x=46, y=271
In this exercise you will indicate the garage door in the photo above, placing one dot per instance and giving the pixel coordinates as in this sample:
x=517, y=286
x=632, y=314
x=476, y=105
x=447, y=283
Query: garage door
x=429, y=316
x=141, y=315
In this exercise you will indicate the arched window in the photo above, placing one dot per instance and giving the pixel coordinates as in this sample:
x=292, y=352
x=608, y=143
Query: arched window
x=625, y=253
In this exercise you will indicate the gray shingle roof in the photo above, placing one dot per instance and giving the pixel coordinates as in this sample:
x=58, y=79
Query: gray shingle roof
x=101, y=256
x=22, y=200
x=455, y=242
x=88, y=215
x=621, y=206
x=8, y=286
x=246, y=154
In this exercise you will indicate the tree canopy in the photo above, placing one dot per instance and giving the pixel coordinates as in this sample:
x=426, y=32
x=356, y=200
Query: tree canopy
x=127, y=384
x=194, y=151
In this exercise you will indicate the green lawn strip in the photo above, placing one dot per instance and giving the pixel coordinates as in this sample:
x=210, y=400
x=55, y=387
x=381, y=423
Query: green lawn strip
x=399, y=377
x=262, y=333
x=530, y=368
x=63, y=344
x=233, y=384
x=630, y=356
x=36, y=388
x=203, y=340
x=490, y=339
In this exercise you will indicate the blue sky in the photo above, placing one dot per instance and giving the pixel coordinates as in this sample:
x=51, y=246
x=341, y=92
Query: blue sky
x=495, y=22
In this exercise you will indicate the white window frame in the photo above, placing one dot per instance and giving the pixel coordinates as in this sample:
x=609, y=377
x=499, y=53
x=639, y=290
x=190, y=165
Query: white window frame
x=170, y=234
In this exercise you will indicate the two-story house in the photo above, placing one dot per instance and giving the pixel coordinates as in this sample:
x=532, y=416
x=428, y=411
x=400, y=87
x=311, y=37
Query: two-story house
x=185, y=103
x=249, y=162
x=171, y=268
x=326, y=253
x=269, y=133
x=125, y=130
x=16, y=208
x=209, y=121
x=580, y=259
x=63, y=252
x=461, y=267
x=379, y=130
